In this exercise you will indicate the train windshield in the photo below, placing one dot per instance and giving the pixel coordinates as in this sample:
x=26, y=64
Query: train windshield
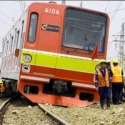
x=84, y=29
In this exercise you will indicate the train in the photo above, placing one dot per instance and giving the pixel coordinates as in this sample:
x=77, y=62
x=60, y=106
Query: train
x=51, y=53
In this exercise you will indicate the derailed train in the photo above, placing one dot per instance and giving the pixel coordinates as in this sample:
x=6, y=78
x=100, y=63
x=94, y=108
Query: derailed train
x=50, y=54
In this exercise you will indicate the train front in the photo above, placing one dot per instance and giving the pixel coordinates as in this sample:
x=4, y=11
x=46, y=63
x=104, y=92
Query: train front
x=63, y=51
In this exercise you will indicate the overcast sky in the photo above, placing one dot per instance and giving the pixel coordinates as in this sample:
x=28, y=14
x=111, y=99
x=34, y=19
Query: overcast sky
x=10, y=11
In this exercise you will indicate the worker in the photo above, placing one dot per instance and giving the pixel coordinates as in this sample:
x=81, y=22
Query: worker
x=102, y=84
x=123, y=94
x=108, y=65
x=117, y=82
x=2, y=89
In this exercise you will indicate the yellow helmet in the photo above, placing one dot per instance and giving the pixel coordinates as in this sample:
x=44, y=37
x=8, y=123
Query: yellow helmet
x=102, y=61
x=1, y=81
x=115, y=61
x=108, y=61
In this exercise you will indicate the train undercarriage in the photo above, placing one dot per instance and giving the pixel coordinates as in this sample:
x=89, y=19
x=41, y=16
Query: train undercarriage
x=56, y=92
x=10, y=88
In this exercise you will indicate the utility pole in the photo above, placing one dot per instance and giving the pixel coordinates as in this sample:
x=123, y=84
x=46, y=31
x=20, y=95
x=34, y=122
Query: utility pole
x=121, y=46
x=121, y=49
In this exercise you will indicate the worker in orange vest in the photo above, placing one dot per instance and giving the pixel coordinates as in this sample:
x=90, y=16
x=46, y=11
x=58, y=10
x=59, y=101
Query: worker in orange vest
x=103, y=83
x=117, y=82
x=2, y=89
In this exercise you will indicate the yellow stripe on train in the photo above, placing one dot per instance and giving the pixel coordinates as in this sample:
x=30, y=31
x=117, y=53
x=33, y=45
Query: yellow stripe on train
x=60, y=61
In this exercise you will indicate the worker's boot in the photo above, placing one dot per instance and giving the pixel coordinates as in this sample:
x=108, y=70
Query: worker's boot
x=108, y=104
x=102, y=104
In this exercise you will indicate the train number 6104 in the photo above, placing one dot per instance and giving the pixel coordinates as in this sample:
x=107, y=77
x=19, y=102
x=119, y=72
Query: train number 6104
x=50, y=10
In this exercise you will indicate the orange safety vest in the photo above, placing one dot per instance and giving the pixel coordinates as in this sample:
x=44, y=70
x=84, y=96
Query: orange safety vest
x=102, y=82
x=2, y=89
x=117, y=75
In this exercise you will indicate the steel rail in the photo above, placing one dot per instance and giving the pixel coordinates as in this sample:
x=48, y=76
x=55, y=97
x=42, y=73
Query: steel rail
x=4, y=106
x=61, y=121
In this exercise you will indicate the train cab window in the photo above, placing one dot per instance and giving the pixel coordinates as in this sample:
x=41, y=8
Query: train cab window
x=33, y=27
x=84, y=29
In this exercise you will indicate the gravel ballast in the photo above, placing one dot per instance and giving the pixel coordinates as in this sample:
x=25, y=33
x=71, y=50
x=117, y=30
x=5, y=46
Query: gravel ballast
x=22, y=113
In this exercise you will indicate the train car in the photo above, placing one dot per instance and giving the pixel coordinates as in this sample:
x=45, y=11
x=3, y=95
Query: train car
x=50, y=54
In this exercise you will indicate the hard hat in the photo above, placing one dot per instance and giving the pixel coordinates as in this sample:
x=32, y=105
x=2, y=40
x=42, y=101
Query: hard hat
x=1, y=81
x=108, y=61
x=115, y=61
x=102, y=61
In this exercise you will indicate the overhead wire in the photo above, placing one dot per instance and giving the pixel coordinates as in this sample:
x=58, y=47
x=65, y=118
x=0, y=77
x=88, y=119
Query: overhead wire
x=106, y=6
x=12, y=19
x=13, y=10
x=24, y=4
x=116, y=10
x=5, y=22
x=20, y=6
x=115, y=34
x=6, y=16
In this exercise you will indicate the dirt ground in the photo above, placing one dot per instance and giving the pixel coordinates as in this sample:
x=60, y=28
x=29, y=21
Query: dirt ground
x=91, y=115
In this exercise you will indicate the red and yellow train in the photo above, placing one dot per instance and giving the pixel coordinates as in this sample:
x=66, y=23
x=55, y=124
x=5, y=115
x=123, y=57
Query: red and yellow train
x=50, y=54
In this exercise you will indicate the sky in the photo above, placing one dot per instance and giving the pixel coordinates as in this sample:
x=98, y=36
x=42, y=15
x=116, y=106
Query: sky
x=10, y=11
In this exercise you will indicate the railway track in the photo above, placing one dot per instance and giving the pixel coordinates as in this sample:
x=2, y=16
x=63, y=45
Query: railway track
x=4, y=105
x=29, y=114
x=53, y=116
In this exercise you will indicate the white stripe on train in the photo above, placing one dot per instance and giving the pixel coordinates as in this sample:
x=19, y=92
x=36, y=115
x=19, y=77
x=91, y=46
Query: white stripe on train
x=47, y=80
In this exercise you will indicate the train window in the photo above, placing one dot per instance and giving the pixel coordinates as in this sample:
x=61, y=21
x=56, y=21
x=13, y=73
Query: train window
x=8, y=49
x=7, y=44
x=3, y=48
x=21, y=39
x=33, y=27
x=84, y=29
x=11, y=43
x=17, y=38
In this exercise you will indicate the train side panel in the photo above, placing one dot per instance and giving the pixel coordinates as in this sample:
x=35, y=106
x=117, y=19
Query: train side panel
x=13, y=40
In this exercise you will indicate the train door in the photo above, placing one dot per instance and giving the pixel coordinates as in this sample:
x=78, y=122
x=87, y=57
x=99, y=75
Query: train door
x=48, y=44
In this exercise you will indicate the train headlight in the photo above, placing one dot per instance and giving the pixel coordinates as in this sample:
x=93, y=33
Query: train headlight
x=27, y=58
